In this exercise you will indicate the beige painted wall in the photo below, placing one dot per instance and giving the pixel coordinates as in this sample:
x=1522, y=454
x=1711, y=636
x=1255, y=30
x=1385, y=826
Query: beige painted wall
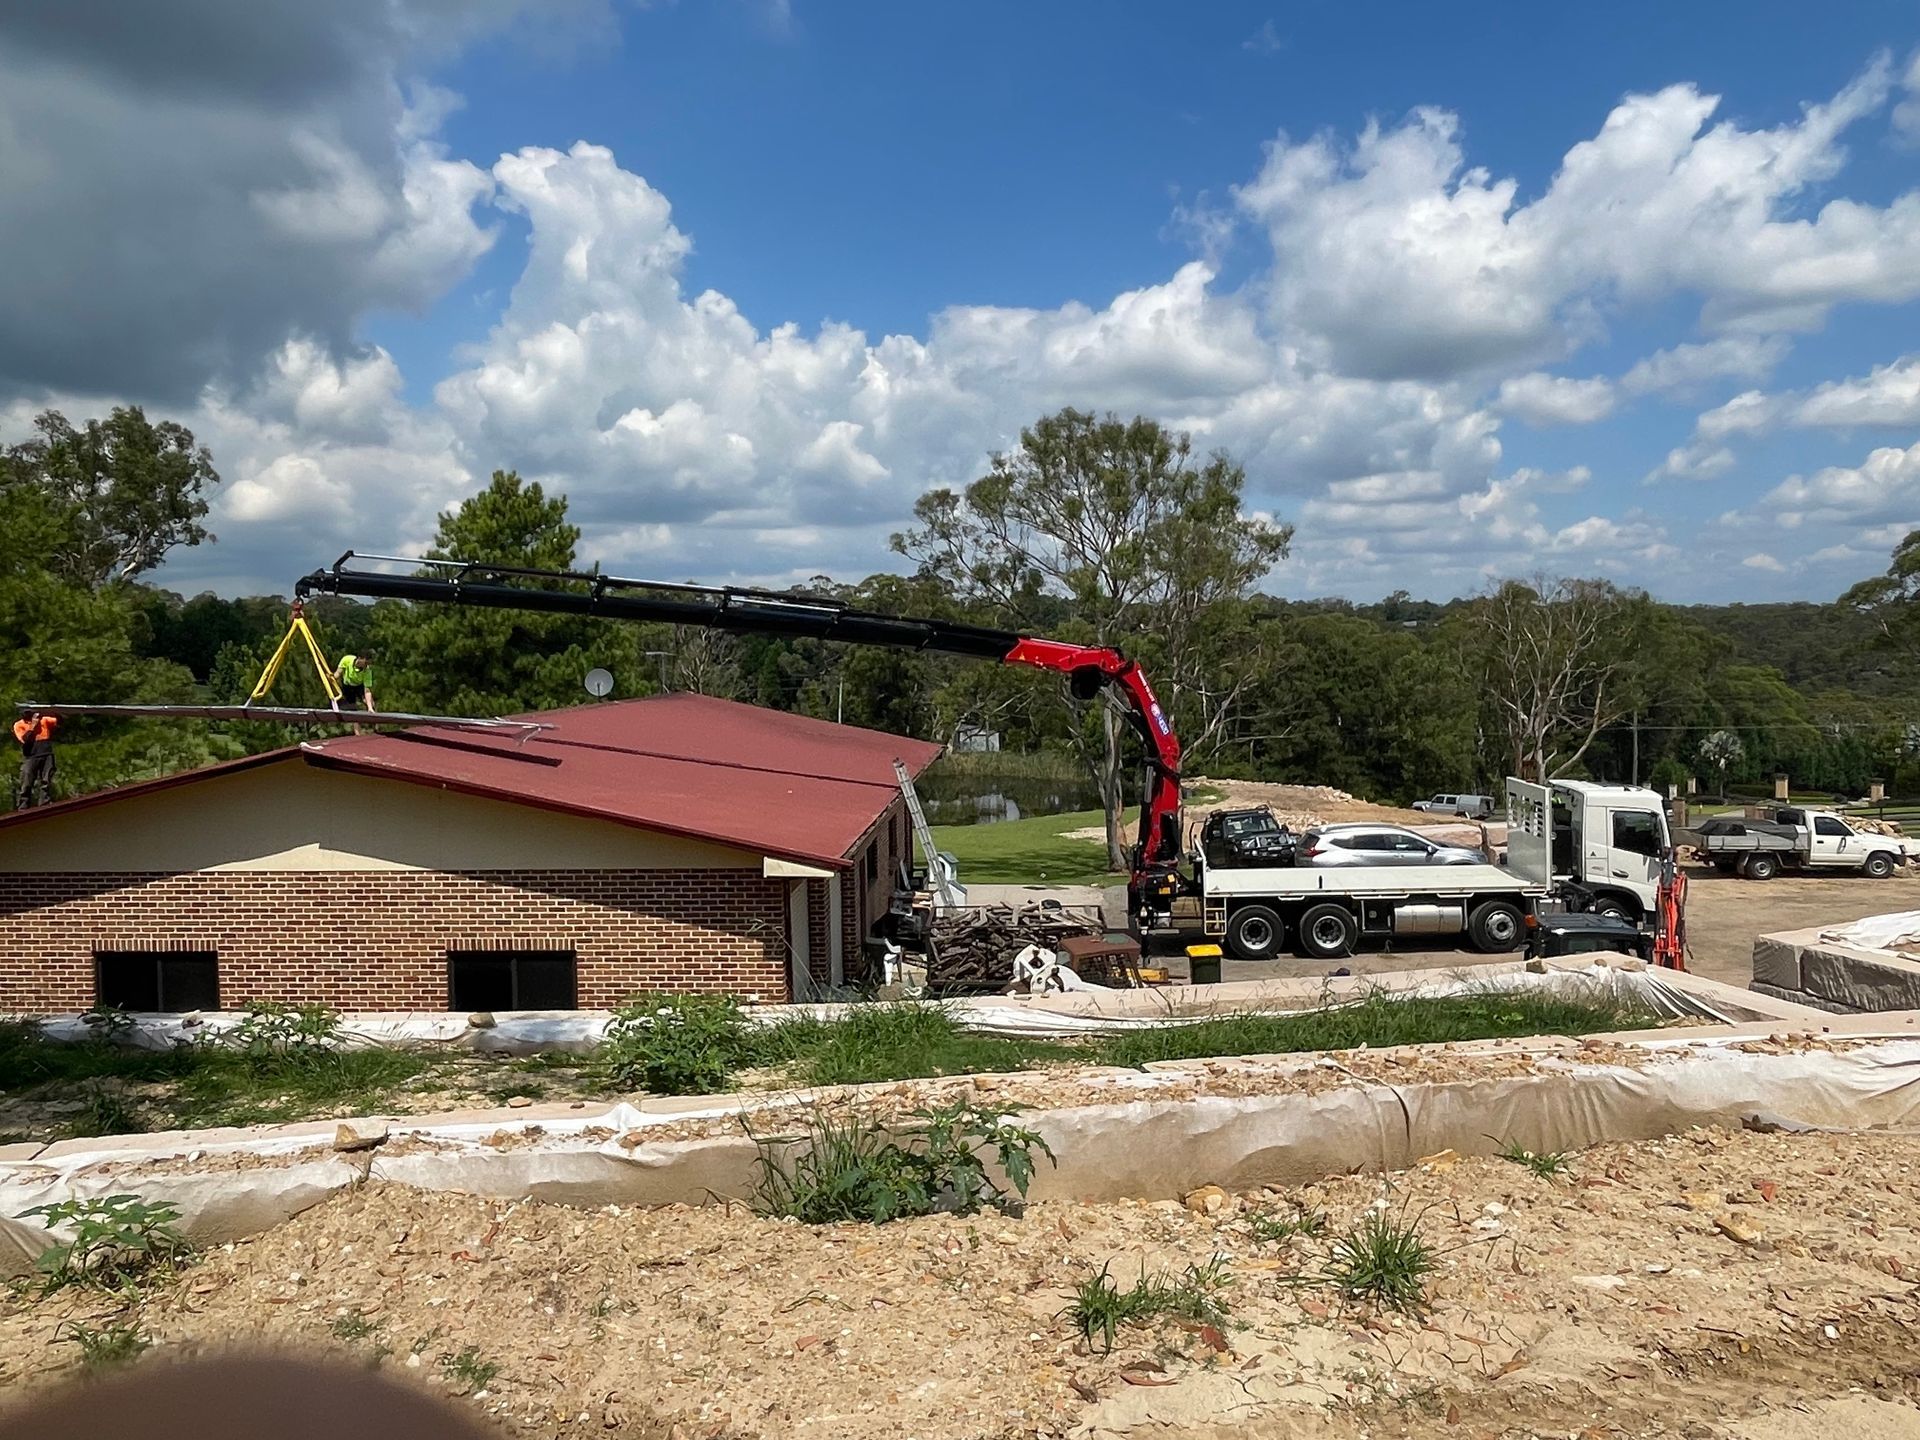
x=295, y=816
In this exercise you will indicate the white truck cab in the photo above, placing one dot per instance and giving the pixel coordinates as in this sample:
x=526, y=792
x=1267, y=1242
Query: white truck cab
x=1609, y=840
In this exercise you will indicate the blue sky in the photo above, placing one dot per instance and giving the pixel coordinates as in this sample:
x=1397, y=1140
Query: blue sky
x=1413, y=264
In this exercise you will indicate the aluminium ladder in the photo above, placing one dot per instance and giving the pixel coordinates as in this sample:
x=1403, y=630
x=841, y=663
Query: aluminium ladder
x=939, y=877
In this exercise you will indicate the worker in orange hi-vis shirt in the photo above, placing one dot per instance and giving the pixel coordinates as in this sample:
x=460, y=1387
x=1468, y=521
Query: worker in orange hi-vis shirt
x=35, y=734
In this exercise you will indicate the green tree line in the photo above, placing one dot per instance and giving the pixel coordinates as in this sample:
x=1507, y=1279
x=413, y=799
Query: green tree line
x=1094, y=529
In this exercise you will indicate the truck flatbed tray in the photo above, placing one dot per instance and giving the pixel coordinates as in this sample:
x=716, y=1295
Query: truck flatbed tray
x=1380, y=882
x=1730, y=833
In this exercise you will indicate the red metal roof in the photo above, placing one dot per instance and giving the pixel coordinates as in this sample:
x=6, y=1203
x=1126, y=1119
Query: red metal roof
x=761, y=780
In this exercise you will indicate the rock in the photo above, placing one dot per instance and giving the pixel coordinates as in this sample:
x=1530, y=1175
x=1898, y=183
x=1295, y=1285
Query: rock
x=1600, y=1282
x=1741, y=1232
x=481, y=1020
x=1207, y=1200
x=518, y=1102
x=359, y=1134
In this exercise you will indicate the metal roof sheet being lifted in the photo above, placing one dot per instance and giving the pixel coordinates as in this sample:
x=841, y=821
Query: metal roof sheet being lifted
x=289, y=715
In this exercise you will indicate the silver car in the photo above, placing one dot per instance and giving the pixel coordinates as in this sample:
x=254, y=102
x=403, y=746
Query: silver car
x=1359, y=843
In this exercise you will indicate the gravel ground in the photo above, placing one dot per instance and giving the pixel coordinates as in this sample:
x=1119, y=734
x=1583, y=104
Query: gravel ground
x=1707, y=1284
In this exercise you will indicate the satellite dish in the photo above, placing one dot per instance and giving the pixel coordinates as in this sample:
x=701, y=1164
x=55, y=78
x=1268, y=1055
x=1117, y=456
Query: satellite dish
x=599, y=682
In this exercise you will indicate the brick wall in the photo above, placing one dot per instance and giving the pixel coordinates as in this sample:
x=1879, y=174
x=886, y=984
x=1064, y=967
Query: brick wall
x=862, y=901
x=366, y=940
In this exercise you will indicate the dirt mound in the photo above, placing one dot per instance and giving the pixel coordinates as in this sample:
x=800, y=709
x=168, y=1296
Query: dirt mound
x=1673, y=1287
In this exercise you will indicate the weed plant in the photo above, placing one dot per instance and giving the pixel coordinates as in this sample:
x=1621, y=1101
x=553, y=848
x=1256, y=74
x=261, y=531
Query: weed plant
x=895, y=1041
x=1101, y=1307
x=103, y=1346
x=673, y=1044
x=1382, y=1260
x=1379, y=1020
x=854, y=1169
x=1548, y=1164
x=467, y=1370
x=119, y=1243
x=1272, y=1227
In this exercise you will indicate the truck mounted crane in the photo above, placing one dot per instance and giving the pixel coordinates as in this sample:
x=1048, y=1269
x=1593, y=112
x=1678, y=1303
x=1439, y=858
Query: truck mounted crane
x=1154, y=878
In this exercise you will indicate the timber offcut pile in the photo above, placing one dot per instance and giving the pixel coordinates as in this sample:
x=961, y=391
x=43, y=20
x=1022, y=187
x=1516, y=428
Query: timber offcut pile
x=970, y=952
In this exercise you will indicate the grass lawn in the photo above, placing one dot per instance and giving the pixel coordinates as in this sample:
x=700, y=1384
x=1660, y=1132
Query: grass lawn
x=1027, y=852
x=56, y=1091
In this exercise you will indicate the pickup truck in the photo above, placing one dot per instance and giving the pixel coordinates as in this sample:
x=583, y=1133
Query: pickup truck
x=1473, y=807
x=1793, y=839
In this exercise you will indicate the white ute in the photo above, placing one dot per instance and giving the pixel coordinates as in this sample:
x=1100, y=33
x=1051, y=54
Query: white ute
x=1794, y=838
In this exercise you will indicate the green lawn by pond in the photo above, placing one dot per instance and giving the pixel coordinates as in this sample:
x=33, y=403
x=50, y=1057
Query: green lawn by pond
x=1027, y=852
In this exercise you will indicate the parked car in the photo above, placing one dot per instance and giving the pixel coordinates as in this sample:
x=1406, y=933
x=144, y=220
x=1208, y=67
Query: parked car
x=1358, y=843
x=1245, y=838
x=1473, y=807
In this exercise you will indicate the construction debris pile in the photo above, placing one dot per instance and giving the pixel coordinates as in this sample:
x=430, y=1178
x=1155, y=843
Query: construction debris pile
x=970, y=952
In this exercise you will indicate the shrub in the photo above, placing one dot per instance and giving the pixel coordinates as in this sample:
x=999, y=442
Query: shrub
x=854, y=1169
x=270, y=1030
x=673, y=1044
x=117, y=1241
x=107, y=1024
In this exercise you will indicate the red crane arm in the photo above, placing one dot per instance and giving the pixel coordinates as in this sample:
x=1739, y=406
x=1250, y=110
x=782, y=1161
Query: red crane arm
x=772, y=612
x=1160, y=810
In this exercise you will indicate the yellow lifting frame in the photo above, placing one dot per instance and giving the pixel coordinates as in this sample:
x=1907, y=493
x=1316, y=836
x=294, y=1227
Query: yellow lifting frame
x=298, y=629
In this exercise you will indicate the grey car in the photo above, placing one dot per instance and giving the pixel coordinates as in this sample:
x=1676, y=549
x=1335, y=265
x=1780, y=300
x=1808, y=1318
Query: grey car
x=1364, y=844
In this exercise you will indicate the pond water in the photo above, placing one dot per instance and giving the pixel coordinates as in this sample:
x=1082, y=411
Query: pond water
x=976, y=798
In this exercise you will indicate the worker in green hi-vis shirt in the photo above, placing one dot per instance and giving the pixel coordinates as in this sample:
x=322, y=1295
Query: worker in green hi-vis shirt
x=355, y=676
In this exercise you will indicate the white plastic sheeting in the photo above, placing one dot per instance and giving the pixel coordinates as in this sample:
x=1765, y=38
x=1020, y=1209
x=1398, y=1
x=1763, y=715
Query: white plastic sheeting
x=1148, y=1145
x=1877, y=932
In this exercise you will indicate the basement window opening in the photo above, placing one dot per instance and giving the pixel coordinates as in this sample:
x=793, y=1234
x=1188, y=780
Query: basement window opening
x=512, y=980
x=165, y=981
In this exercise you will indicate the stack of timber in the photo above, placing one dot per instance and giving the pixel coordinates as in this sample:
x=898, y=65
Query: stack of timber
x=970, y=952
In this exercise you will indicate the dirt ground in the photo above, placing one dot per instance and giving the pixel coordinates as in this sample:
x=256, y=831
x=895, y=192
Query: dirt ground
x=1705, y=1285
x=1725, y=913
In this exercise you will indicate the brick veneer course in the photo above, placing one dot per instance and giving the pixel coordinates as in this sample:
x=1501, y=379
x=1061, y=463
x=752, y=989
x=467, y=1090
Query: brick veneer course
x=378, y=939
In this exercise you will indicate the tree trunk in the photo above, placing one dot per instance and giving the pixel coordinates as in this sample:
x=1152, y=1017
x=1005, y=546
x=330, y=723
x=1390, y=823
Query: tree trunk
x=1112, y=795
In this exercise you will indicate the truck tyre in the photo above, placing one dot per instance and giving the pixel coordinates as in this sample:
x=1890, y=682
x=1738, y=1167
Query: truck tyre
x=1328, y=932
x=1615, y=906
x=1254, y=933
x=1497, y=926
x=1879, y=865
x=1761, y=866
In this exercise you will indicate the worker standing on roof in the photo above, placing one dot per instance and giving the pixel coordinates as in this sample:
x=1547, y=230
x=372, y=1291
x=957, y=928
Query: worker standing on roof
x=35, y=734
x=355, y=674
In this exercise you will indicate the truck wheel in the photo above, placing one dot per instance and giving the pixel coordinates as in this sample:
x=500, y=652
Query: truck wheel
x=1254, y=933
x=1328, y=932
x=1761, y=867
x=1616, y=907
x=1879, y=865
x=1496, y=926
